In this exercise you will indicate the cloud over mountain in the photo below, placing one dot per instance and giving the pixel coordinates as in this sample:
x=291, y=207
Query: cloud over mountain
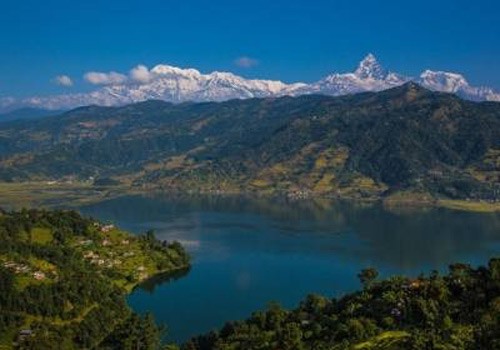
x=99, y=78
x=141, y=74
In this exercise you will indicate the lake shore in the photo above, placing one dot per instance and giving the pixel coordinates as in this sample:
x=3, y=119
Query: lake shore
x=76, y=194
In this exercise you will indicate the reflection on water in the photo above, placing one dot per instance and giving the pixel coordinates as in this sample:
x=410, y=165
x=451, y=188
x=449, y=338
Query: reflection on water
x=150, y=284
x=247, y=252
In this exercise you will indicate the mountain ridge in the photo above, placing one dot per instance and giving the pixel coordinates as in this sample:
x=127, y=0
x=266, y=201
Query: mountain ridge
x=177, y=85
x=368, y=145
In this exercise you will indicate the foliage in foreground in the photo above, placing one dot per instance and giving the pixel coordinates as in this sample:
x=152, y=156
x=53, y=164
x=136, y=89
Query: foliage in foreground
x=64, y=278
x=458, y=311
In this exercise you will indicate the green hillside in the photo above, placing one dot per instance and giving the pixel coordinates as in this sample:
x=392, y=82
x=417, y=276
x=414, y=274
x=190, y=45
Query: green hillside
x=402, y=142
x=64, y=278
x=457, y=311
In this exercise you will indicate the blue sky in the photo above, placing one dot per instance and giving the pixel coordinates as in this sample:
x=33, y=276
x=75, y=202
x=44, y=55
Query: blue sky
x=291, y=40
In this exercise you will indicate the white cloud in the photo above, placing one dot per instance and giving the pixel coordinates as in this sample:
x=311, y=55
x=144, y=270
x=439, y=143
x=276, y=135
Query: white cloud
x=63, y=80
x=111, y=78
x=246, y=62
x=141, y=74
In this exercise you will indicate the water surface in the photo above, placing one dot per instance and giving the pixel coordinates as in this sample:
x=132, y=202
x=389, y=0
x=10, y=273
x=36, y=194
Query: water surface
x=248, y=252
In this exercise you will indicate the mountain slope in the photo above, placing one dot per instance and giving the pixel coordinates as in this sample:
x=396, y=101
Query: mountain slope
x=27, y=113
x=174, y=84
x=366, y=145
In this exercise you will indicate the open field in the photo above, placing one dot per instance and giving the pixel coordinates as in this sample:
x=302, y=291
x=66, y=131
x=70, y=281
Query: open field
x=483, y=207
x=32, y=194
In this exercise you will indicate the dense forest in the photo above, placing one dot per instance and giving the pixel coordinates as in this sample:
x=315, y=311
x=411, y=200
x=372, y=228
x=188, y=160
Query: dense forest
x=406, y=141
x=64, y=278
x=457, y=311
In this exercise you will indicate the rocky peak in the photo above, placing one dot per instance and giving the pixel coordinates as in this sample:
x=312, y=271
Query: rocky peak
x=370, y=68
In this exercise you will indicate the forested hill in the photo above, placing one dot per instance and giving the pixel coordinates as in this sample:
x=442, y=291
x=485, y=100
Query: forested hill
x=64, y=278
x=406, y=139
x=458, y=311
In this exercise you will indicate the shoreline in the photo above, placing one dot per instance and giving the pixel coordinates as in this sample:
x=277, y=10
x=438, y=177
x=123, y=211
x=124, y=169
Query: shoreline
x=75, y=195
x=169, y=273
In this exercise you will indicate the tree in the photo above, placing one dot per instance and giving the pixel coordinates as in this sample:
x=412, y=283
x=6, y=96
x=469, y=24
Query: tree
x=367, y=277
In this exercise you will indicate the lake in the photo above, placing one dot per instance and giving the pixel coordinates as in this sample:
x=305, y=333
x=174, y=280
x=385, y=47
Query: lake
x=248, y=252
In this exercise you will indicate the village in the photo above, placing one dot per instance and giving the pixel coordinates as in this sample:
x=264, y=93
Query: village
x=25, y=269
x=117, y=253
x=91, y=250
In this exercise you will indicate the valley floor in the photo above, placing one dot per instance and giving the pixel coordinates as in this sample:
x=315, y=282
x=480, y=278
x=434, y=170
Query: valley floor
x=75, y=194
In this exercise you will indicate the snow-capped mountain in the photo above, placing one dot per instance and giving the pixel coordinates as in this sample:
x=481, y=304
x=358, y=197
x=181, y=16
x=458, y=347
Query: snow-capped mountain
x=456, y=84
x=369, y=76
x=371, y=69
x=180, y=85
x=175, y=84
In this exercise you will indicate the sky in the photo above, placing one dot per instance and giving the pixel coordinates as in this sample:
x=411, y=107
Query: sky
x=46, y=47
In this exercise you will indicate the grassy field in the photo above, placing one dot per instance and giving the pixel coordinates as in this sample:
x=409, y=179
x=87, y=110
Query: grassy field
x=33, y=194
x=482, y=207
x=412, y=199
x=41, y=235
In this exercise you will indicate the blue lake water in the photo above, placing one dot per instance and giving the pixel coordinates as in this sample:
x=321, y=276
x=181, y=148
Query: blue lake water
x=248, y=252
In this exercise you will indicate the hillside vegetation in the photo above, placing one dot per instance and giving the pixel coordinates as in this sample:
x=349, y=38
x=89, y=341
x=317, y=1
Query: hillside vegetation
x=458, y=311
x=400, y=143
x=64, y=278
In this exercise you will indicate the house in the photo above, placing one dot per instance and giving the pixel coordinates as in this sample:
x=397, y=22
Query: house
x=25, y=332
x=90, y=255
x=86, y=242
x=107, y=228
x=39, y=275
x=97, y=261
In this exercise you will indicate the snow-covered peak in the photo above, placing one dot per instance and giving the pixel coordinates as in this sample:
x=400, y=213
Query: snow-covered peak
x=456, y=84
x=369, y=76
x=443, y=81
x=370, y=68
x=174, y=84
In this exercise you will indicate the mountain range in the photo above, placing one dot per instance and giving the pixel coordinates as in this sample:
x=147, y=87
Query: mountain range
x=27, y=113
x=172, y=84
x=369, y=145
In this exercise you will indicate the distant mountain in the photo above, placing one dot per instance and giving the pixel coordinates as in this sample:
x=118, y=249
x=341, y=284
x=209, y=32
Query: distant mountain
x=456, y=84
x=369, y=145
x=27, y=114
x=369, y=76
x=174, y=84
x=169, y=84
